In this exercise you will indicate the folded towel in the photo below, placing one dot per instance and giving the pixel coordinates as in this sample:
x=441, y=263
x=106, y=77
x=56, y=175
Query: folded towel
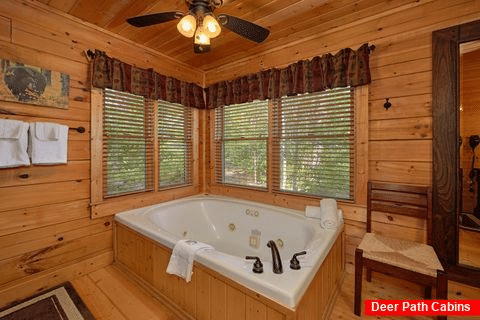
x=48, y=143
x=13, y=143
x=313, y=212
x=329, y=214
x=183, y=254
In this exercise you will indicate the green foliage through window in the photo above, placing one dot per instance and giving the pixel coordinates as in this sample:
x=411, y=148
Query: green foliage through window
x=174, y=144
x=127, y=148
x=241, y=139
x=315, y=143
x=312, y=147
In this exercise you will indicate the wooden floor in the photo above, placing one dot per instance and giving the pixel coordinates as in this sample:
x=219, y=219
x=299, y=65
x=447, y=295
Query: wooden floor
x=111, y=294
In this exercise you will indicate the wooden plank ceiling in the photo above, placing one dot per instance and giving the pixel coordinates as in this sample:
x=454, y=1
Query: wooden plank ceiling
x=288, y=20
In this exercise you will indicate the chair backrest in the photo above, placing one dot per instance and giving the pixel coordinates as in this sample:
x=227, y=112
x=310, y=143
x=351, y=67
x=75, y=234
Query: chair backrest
x=407, y=200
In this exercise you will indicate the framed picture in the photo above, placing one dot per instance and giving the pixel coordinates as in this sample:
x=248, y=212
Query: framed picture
x=33, y=85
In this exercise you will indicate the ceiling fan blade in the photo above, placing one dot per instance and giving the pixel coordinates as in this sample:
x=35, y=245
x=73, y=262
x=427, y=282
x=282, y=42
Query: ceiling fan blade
x=155, y=18
x=244, y=28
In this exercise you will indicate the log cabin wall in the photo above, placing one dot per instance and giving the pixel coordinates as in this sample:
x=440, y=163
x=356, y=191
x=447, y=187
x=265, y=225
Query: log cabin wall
x=400, y=138
x=46, y=234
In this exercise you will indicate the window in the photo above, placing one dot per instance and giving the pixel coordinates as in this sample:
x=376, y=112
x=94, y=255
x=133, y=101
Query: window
x=241, y=133
x=174, y=144
x=312, y=147
x=314, y=143
x=127, y=144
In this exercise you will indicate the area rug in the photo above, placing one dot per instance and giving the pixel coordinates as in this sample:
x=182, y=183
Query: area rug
x=59, y=303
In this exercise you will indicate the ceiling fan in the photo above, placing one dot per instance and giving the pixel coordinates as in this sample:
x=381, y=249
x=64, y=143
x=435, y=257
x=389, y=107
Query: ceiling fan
x=200, y=23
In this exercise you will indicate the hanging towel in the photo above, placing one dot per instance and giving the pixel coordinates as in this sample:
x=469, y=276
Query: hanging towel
x=48, y=143
x=183, y=255
x=13, y=143
x=329, y=213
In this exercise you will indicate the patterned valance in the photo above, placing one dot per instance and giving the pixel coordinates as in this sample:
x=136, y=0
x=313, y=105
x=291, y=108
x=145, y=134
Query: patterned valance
x=346, y=68
x=114, y=74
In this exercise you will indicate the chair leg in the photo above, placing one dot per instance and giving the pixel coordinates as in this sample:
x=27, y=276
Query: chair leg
x=358, y=281
x=442, y=289
x=369, y=275
x=428, y=292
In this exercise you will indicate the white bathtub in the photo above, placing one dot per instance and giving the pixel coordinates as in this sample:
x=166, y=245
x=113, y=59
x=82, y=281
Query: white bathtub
x=227, y=224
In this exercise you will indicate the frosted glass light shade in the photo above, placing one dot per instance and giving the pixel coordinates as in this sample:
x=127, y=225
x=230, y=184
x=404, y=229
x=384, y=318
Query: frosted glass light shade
x=187, y=26
x=211, y=26
x=201, y=37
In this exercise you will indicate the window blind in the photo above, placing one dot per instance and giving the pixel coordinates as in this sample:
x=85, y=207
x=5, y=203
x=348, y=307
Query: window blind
x=241, y=133
x=174, y=144
x=313, y=143
x=127, y=144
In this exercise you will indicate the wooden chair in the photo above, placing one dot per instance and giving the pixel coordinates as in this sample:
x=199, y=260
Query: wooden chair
x=407, y=260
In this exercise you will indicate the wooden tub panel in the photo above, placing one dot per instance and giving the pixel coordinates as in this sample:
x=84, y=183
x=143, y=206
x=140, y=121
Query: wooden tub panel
x=211, y=296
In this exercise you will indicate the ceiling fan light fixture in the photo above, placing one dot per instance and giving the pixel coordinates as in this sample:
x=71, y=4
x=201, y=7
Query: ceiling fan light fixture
x=201, y=37
x=211, y=27
x=202, y=25
x=187, y=26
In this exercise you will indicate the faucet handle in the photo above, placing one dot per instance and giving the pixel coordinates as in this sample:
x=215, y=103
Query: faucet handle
x=257, y=266
x=294, y=263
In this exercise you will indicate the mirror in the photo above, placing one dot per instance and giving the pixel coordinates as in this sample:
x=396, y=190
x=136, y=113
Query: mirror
x=452, y=152
x=469, y=130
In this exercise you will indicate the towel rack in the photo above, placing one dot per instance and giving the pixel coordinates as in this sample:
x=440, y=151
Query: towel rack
x=79, y=129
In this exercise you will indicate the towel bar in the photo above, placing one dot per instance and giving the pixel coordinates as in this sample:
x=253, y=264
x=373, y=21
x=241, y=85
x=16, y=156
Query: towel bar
x=79, y=129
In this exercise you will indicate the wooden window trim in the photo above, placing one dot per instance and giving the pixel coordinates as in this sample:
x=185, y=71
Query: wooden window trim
x=101, y=207
x=299, y=201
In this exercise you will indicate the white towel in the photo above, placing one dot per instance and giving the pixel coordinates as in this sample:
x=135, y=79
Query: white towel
x=183, y=255
x=329, y=214
x=313, y=212
x=48, y=143
x=13, y=143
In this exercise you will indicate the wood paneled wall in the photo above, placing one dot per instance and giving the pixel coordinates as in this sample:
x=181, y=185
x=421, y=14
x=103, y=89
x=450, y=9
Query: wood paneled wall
x=400, y=138
x=46, y=234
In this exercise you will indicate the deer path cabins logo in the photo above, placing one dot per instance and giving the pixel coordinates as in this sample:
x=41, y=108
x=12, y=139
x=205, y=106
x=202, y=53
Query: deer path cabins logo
x=28, y=84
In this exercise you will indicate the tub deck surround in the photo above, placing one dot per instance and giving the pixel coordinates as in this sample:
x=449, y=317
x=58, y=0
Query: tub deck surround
x=209, y=219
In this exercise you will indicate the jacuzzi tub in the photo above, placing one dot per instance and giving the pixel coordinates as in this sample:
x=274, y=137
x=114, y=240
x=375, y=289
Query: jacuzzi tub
x=229, y=225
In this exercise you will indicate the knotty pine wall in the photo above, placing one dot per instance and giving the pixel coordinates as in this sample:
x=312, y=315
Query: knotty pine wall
x=400, y=139
x=46, y=234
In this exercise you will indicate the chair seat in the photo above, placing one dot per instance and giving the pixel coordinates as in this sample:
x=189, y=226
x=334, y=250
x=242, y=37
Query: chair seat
x=405, y=254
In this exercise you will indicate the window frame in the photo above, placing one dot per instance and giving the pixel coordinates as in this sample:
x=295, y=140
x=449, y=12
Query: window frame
x=299, y=200
x=147, y=139
x=104, y=206
x=290, y=136
x=219, y=145
x=187, y=139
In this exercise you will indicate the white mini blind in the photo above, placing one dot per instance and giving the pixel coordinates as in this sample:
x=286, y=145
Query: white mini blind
x=127, y=144
x=174, y=144
x=313, y=143
x=241, y=133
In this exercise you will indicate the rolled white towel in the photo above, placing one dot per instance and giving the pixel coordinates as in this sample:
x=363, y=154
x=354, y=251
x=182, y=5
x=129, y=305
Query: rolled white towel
x=313, y=212
x=182, y=258
x=329, y=214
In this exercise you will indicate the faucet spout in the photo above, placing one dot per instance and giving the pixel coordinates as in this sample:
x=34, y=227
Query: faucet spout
x=277, y=262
